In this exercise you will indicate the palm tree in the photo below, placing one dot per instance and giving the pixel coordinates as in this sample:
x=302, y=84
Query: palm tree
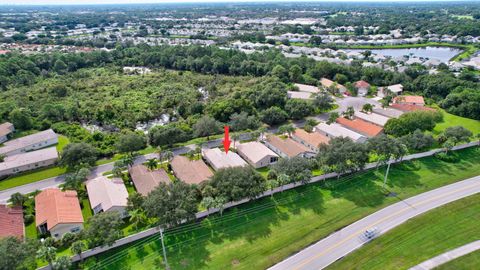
x=152, y=164
x=168, y=155
x=262, y=130
x=208, y=202
x=271, y=184
x=283, y=179
x=137, y=218
x=47, y=253
x=288, y=128
x=128, y=160
x=220, y=204
x=77, y=248
x=18, y=199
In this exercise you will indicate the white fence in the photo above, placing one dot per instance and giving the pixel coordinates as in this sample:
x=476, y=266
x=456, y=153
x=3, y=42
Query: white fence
x=203, y=214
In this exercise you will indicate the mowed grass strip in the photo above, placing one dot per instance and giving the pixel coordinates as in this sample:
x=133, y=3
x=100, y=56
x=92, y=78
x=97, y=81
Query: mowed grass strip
x=419, y=239
x=466, y=262
x=262, y=233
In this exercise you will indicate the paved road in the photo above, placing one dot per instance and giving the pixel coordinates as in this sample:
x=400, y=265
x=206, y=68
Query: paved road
x=356, y=102
x=99, y=170
x=341, y=243
x=448, y=256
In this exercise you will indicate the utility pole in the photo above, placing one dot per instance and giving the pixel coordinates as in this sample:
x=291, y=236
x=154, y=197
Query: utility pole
x=386, y=173
x=164, y=251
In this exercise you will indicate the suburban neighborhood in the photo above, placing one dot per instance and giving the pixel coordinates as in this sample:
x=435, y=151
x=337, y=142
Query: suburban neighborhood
x=243, y=135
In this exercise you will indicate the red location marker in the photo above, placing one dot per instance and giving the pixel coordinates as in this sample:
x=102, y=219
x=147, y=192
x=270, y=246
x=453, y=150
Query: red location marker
x=226, y=140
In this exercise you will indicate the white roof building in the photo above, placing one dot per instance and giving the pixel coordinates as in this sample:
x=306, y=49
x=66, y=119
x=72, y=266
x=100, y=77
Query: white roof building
x=28, y=143
x=107, y=194
x=336, y=130
x=373, y=118
x=220, y=160
x=307, y=88
x=299, y=95
x=28, y=161
x=257, y=154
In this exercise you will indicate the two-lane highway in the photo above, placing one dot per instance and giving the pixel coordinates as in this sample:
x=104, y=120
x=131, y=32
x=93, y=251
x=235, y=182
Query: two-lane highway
x=344, y=241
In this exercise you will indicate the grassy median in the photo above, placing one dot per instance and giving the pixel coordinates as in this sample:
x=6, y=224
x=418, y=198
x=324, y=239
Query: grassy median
x=261, y=233
x=419, y=239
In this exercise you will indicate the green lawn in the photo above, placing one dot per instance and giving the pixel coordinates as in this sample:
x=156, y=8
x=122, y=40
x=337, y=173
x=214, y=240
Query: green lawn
x=259, y=234
x=31, y=176
x=467, y=262
x=420, y=238
x=62, y=142
x=454, y=120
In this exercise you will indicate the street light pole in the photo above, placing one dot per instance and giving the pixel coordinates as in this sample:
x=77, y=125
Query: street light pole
x=164, y=251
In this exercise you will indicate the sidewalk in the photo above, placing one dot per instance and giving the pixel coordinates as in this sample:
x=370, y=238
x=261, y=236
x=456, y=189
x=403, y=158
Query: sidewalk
x=448, y=256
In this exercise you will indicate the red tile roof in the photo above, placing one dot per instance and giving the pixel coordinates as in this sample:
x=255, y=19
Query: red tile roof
x=410, y=107
x=360, y=126
x=312, y=138
x=409, y=99
x=53, y=206
x=362, y=84
x=11, y=221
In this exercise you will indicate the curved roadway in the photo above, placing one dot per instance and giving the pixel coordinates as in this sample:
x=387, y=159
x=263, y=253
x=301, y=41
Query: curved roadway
x=346, y=240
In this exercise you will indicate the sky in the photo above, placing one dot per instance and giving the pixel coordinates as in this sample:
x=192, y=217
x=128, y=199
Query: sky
x=88, y=2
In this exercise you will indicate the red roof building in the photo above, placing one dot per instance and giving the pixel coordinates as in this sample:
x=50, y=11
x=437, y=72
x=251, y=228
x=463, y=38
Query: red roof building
x=412, y=100
x=358, y=125
x=11, y=222
x=361, y=84
x=410, y=107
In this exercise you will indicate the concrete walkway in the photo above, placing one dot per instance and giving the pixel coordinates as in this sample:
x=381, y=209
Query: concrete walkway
x=448, y=256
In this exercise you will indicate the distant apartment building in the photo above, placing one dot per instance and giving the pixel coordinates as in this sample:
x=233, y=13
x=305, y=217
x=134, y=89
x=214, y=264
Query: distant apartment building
x=336, y=130
x=28, y=161
x=28, y=143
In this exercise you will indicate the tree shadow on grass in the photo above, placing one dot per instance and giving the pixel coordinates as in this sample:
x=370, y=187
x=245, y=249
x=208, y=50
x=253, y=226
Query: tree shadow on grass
x=403, y=175
x=359, y=189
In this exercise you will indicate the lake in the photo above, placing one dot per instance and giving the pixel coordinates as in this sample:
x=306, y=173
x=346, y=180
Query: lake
x=443, y=54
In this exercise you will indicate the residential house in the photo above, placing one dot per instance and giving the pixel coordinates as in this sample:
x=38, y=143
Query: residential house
x=360, y=126
x=327, y=84
x=299, y=95
x=257, y=154
x=362, y=88
x=5, y=130
x=58, y=212
x=287, y=148
x=29, y=143
x=190, y=171
x=28, y=161
x=373, y=118
x=11, y=221
x=107, y=195
x=336, y=130
x=388, y=112
x=409, y=100
x=309, y=139
x=146, y=180
x=410, y=107
x=220, y=160
x=395, y=89
x=307, y=88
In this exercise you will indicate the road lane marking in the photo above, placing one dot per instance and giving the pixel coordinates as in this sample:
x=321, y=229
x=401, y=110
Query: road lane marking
x=304, y=262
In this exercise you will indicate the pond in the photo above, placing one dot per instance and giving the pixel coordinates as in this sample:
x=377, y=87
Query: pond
x=443, y=54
